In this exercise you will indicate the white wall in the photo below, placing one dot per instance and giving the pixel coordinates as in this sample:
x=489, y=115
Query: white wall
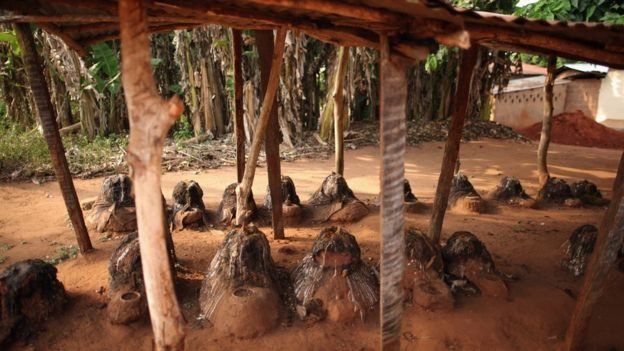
x=610, y=110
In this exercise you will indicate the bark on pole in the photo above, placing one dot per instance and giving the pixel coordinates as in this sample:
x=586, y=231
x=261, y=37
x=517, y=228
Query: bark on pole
x=264, y=42
x=609, y=242
x=542, y=150
x=151, y=117
x=393, y=101
x=243, y=189
x=47, y=116
x=239, y=124
x=338, y=96
x=451, y=149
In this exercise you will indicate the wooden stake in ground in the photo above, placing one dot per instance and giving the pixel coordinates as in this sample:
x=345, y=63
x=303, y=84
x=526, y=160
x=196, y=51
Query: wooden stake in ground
x=338, y=96
x=264, y=42
x=243, y=189
x=393, y=101
x=47, y=116
x=239, y=125
x=542, y=151
x=608, y=244
x=151, y=117
x=451, y=149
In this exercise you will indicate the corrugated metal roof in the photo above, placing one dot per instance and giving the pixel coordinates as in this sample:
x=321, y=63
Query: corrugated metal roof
x=587, y=68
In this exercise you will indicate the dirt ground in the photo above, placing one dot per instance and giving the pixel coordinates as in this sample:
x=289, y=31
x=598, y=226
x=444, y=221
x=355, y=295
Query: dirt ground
x=525, y=242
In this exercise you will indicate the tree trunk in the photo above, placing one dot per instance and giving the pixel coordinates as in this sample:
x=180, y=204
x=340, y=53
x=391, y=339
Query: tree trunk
x=239, y=126
x=393, y=99
x=243, y=189
x=338, y=97
x=542, y=151
x=51, y=133
x=451, y=149
x=264, y=41
x=150, y=120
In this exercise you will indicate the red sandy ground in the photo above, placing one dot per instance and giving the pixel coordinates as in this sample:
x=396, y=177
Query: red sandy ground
x=574, y=128
x=524, y=242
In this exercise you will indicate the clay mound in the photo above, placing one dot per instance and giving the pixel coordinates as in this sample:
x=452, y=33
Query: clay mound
x=510, y=190
x=29, y=294
x=113, y=210
x=588, y=193
x=579, y=248
x=555, y=190
x=227, y=207
x=188, y=206
x=574, y=128
x=463, y=196
x=241, y=292
x=291, y=205
x=332, y=281
x=410, y=201
x=421, y=253
x=335, y=201
x=467, y=258
x=126, y=290
x=423, y=281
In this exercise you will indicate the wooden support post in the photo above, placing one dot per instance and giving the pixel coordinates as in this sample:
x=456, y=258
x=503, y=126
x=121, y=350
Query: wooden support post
x=239, y=126
x=542, y=150
x=151, y=117
x=451, y=149
x=393, y=101
x=244, y=188
x=609, y=242
x=264, y=42
x=47, y=116
x=338, y=96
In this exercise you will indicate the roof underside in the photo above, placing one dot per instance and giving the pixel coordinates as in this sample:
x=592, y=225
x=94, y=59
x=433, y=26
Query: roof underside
x=414, y=26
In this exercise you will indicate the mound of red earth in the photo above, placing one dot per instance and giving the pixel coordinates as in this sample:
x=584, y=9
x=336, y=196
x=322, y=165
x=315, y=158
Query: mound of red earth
x=574, y=128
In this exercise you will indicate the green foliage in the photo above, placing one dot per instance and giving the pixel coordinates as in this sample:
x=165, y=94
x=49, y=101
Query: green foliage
x=610, y=11
x=10, y=38
x=185, y=130
x=105, y=68
x=500, y=6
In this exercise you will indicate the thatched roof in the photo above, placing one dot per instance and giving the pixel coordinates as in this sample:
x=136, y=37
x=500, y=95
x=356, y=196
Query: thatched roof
x=413, y=26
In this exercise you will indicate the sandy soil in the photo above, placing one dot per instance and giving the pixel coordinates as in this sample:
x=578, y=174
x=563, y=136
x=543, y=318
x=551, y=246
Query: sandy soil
x=524, y=242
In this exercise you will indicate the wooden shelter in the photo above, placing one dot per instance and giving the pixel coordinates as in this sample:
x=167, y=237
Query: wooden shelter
x=403, y=31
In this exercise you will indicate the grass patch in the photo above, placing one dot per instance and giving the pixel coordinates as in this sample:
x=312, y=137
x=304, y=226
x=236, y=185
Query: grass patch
x=24, y=153
x=63, y=254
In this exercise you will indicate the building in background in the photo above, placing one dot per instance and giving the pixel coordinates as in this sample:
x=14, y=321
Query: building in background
x=596, y=91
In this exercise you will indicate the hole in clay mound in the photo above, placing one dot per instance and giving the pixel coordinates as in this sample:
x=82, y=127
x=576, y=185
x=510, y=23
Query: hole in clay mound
x=242, y=292
x=431, y=290
x=131, y=295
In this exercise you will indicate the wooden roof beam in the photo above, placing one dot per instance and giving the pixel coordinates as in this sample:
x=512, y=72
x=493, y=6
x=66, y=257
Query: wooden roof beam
x=543, y=44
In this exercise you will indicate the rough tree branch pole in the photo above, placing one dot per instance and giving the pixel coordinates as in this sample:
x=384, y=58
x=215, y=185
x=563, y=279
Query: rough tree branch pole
x=451, y=149
x=265, y=44
x=542, y=150
x=393, y=100
x=243, y=189
x=338, y=96
x=239, y=130
x=150, y=119
x=609, y=242
x=47, y=116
